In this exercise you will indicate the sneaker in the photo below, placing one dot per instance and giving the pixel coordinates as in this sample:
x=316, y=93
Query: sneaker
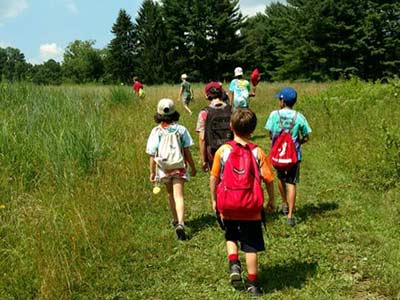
x=180, y=232
x=291, y=222
x=284, y=209
x=235, y=272
x=253, y=289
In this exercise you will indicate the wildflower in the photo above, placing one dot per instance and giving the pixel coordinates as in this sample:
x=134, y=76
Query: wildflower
x=2, y=206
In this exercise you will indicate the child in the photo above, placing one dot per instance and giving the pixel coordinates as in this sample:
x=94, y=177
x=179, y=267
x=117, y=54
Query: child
x=174, y=179
x=213, y=124
x=138, y=87
x=186, y=93
x=239, y=90
x=299, y=131
x=246, y=230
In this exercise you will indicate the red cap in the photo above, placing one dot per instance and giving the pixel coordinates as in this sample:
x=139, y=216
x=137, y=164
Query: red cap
x=213, y=88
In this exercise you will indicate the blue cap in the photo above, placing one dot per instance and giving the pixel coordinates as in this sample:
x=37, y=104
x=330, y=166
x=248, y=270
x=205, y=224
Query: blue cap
x=288, y=95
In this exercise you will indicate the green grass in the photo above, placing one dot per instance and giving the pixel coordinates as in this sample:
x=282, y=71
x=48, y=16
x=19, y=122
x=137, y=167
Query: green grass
x=80, y=221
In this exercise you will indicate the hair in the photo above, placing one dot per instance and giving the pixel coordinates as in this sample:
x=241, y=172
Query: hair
x=214, y=94
x=166, y=118
x=244, y=121
x=136, y=78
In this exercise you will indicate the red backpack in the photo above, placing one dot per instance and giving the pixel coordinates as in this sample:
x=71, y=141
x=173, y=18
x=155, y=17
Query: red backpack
x=283, y=153
x=239, y=193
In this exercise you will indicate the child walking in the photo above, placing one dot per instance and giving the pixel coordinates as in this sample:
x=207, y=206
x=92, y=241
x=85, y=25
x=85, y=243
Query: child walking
x=299, y=129
x=236, y=192
x=186, y=93
x=168, y=147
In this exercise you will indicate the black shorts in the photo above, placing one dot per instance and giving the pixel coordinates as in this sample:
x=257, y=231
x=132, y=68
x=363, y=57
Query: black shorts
x=248, y=233
x=292, y=176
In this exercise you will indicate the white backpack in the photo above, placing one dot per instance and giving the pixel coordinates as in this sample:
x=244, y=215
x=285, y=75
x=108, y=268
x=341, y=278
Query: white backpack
x=169, y=155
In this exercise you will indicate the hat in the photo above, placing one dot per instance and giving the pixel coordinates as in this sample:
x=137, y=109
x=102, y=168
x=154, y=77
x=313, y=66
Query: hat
x=213, y=88
x=238, y=71
x=288, y=95
x=165, y=107
x=184, y=76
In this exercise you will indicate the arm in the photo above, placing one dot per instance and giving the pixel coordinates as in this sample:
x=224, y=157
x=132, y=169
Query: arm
x=152, y=167
x=192, y=93
x=203, y=153
x=213, y=189
x=188, y=157
x=180, y=93
x=230, y=95
x=271, y=197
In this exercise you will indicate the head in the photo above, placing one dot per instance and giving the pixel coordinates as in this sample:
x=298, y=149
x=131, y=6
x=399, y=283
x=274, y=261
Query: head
x=213, y=90
x=166, y=111
x=243, y=122
x=184, y=76
x=238, y=72
x=287, y=96
x=135, y=78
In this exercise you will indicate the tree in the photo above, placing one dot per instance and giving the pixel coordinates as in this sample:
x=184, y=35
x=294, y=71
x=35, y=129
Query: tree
x=13, y=66
x=82, y=63
x=47, y=73
x=150, y=44
x=121, y=50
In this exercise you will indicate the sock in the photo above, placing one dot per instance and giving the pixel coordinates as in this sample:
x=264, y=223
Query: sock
x=252, y=277
x=233, y=257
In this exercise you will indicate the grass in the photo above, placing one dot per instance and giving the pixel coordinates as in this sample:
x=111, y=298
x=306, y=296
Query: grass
x=80, y=222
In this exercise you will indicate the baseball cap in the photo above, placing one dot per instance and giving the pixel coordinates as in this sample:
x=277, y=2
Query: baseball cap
x=184, y=76
x=288, y=95
x=165, y=107
x=213, y=88
x=238, y=71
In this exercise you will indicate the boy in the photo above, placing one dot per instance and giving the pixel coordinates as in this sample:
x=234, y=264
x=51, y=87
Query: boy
x=246, y=230
x=213, y=124
x=299, y=130
x=137, y=87
x=185, y=93
x=239, y=90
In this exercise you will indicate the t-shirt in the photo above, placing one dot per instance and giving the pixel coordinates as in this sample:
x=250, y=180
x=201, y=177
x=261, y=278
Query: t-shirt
x=201, y=120
x=241, y=92
x=300, y=126
x=137, y=85
x=153, y=143
x=186, y=94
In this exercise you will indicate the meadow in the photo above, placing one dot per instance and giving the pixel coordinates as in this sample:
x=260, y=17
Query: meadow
x=78, y=220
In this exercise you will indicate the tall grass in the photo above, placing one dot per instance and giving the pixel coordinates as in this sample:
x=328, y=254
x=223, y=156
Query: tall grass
x=80, y=221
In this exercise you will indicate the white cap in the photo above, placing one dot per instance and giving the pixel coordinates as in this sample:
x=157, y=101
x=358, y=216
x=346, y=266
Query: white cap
x=184, y=76
x=238, y=71
x=165, y=107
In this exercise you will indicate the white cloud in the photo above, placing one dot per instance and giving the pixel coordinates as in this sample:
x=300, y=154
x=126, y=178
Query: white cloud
x=253, y=10
x=11, y=8
x=51, y=51
x=71, y=6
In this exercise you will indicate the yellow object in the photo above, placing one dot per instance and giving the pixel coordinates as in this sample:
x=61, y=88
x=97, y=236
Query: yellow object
x=156, y=190
x=2, y=206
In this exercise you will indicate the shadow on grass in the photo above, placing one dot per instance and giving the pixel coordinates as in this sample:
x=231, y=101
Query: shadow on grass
x=293, y=274
x=312, y=209
x=201, y=222
x=258, y=137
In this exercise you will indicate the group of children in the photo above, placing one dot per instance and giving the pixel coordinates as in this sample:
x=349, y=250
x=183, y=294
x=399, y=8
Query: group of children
x=237, y=167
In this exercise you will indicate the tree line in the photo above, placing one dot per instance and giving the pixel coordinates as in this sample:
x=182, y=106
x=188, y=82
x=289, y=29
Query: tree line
x=310, y=40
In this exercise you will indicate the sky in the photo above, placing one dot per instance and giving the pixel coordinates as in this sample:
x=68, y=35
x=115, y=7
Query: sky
x=42, y=29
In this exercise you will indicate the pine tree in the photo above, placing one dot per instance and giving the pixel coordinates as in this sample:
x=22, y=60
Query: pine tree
x=121, y=50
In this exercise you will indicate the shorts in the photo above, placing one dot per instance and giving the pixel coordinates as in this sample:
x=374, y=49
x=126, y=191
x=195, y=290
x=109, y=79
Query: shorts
x=248, y=233
x=186, y=100
x=170, y=176
x=292, y=176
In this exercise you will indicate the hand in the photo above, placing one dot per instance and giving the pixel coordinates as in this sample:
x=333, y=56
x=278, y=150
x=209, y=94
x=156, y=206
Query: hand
x=214, y=205
x=271, y=208
x=204, y=166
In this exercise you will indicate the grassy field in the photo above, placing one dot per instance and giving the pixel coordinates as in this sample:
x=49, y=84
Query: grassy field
x=78, y=219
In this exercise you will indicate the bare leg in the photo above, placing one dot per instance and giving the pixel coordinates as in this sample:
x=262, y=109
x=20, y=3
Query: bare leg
x=231, y=248
x=187, y=108
x=178, y=185
x=251, y=263
x=171, y=200
x=291, y=199
x=282, y=190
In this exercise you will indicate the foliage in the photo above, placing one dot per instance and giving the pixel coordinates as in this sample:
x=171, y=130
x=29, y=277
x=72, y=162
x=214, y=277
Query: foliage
x=121, y=50
x=49, y=72
x=13, y=66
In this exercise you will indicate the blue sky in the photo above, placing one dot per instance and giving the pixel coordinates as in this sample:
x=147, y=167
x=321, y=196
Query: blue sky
x=42, y=29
